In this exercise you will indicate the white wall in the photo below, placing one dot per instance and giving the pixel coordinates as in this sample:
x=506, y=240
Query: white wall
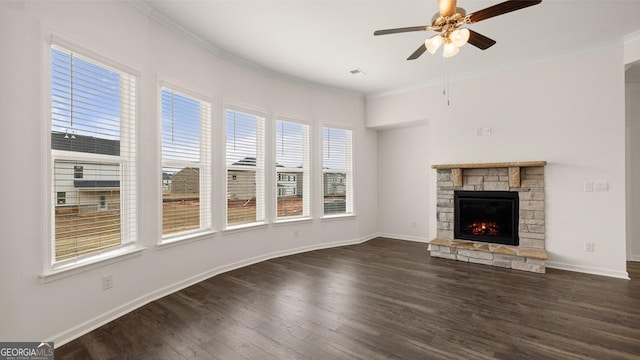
x=633, y=170
x=568, y=111
x=63, y=309
x=632, y=105
x=404, y=175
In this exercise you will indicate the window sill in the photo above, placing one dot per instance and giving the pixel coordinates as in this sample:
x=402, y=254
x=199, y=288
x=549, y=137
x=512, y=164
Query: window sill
x=245, y=227
x=300, y=220
x=184, y=239
x=339, y=217
x=91, y=263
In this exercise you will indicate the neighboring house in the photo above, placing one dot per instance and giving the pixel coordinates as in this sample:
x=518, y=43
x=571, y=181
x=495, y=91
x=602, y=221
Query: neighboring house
x=87, y=187
x=83, y=186
x=166, y=183
x=287, y=183
x=335, y=184
x=241, y=184
x=186, y=181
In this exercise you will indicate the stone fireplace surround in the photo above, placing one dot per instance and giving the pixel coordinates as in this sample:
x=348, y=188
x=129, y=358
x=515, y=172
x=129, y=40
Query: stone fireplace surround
x=526, y=178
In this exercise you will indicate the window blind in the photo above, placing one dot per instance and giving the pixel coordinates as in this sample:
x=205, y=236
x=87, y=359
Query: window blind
x=245, y=167
x=292, y=169
x=93, y=155
x=337, y=178
x=186, y=170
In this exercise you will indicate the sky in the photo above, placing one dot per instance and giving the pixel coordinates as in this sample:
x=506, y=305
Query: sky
x=290, y=143
x=93, y=107
x=181, y=117
x=334, y=148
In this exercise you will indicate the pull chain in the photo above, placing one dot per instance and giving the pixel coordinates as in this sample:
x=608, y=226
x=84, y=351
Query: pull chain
x=445, y=82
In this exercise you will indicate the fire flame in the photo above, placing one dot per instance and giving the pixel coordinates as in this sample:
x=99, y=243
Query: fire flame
x=483, y=228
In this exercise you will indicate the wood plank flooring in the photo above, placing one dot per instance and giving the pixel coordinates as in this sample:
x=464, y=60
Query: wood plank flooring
x=384, y=299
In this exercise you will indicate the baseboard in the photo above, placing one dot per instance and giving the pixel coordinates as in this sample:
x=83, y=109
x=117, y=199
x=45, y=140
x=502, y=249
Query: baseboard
x=90, y=325
x=404, y=237
x=588, y=270
x=634, y=258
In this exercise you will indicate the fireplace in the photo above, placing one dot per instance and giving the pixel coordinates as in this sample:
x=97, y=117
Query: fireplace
x=486, y=216
x=492, y=214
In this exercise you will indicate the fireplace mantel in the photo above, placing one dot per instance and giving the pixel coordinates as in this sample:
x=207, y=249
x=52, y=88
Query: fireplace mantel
x=491, y=165
x=514, y=170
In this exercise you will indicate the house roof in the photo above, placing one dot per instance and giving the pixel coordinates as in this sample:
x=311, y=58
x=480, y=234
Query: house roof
x=186, y=170
x=247, y=161
x=85, y=144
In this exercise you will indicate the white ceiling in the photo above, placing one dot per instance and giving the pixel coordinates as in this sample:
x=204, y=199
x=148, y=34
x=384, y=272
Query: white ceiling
x=321, y=41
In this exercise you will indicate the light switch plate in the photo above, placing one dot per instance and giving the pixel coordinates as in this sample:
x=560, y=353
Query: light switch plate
x=601, y=186
x=588, y=186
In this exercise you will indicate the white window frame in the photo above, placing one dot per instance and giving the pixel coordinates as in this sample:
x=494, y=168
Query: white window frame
x=129, y=246
x=260, y=169
x=205, y=166
x=350, y=206
x=305, y=172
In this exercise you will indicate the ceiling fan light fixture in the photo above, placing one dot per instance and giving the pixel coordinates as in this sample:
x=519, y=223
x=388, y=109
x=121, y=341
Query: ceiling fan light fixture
x=460, y=37
x=433, y=43
x=450, y=49
x=448, y=23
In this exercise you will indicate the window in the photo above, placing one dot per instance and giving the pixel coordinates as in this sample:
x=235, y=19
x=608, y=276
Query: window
x=337, y=178
x=245, y=168
x=292, y=169
x=186, y=170
x=92, y=156
x=78, y=172
x=61, y=197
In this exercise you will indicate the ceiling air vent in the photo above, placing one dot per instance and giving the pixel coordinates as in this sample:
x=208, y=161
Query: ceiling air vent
x=357, y=71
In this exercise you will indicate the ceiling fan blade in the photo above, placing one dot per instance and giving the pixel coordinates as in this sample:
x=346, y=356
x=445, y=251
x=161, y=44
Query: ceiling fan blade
x=447, y=7
x=499, y=9
x=416, y=54
x=480, y=41
x=401, y=30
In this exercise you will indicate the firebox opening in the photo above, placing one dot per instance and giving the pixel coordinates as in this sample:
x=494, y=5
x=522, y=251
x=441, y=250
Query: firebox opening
x=487, y=216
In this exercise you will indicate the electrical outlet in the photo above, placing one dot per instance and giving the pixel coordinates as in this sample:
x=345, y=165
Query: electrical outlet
x=488, y=131
x=479, y=132
x=589, y=246
x=588, y=186
x=107, y=282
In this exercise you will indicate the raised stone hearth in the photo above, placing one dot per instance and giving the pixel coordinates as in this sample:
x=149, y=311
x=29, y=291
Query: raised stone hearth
x=526, y=178
x=512, y=257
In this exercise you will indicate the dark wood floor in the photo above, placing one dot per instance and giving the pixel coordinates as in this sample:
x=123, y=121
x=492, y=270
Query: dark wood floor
x=384, y=299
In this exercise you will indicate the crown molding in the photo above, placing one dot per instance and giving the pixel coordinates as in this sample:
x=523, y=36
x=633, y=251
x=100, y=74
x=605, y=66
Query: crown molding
x=633, y=37
x=165, y=21
x=595, y=47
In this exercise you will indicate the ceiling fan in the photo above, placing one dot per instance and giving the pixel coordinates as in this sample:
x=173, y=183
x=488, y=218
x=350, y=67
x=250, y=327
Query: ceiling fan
x=448, y=23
